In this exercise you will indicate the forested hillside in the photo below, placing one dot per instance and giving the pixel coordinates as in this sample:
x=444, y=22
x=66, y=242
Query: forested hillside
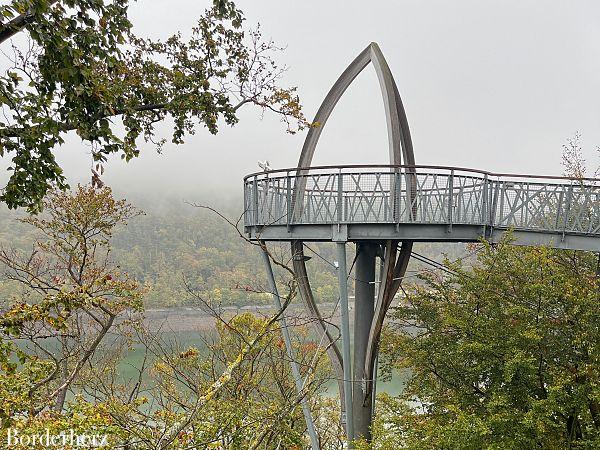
x=175, y=247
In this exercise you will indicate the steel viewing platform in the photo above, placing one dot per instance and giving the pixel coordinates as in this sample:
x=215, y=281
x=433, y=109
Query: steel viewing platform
x=421, y=203
x=384, y=209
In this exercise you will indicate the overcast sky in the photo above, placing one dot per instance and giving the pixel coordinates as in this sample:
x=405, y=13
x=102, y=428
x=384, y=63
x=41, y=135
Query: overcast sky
x=496, y=85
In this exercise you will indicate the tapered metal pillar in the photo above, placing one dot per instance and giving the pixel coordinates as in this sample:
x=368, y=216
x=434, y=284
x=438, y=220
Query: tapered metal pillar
x=379, y=274
x=345, y=319
x=364, y=305
x=310, y=426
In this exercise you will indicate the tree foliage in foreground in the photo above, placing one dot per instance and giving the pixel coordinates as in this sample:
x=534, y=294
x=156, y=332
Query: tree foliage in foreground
x=71, y=297
x=503, y=356
x=83, y=69
x=234, y=391
x=66, y=334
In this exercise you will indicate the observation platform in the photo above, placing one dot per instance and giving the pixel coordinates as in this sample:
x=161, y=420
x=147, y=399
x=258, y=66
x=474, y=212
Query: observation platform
x=421, y=203
x=385, y=209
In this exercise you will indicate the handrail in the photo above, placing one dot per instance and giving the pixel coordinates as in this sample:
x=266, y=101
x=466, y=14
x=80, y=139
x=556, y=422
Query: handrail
x=295, y=171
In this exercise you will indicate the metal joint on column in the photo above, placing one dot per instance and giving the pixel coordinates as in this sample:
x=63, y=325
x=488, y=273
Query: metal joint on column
x=339, y=233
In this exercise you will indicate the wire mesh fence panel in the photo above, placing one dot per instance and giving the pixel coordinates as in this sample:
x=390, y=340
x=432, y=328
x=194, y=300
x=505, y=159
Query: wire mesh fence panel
x=317, y=203
x=583, y=210
x=549, y=207
x=366, y=197
x=468, y=200
x=528, y=205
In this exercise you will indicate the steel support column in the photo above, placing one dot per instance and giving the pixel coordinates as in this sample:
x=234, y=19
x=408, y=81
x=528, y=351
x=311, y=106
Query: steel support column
x=364, y=305
x=310, y=426
x=345, y=319
x=379, y=277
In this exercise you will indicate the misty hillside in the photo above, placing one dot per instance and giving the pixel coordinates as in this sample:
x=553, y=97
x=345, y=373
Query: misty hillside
x=176, y=248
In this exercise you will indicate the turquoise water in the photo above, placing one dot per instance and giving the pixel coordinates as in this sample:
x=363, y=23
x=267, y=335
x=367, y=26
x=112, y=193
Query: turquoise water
x=393, y=387
x=134, y=359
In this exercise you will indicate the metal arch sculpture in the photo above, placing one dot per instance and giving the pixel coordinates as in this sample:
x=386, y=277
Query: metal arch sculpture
x=395, y=263
x=400, y=143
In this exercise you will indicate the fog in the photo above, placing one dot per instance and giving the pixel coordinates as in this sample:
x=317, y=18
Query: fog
x=495, y=85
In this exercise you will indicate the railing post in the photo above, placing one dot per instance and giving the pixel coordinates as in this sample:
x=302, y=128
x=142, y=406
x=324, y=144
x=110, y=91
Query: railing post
x=247, y=202
x=501, y=193
x=397, y=197
x=411, y=195
x=567, y=210
x=288, y=181
x=524, y=195
x=492, y=214
x=255, y=199
x=450, y=200
x=346, y=208
x=559, y=209
x=277, y=200
x=340, y=199
x=485, y=203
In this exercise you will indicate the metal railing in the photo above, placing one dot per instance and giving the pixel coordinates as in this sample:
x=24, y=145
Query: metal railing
x=424, y=195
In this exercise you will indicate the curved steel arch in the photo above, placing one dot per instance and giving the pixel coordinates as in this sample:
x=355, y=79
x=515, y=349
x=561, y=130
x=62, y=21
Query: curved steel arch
x=400, y=143
x=400, y=152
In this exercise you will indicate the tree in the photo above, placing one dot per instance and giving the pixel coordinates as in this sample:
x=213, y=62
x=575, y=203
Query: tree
x=73, y=296
x=85, y=71
x=235, y=390
x=70, y=331
x=503, y=355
